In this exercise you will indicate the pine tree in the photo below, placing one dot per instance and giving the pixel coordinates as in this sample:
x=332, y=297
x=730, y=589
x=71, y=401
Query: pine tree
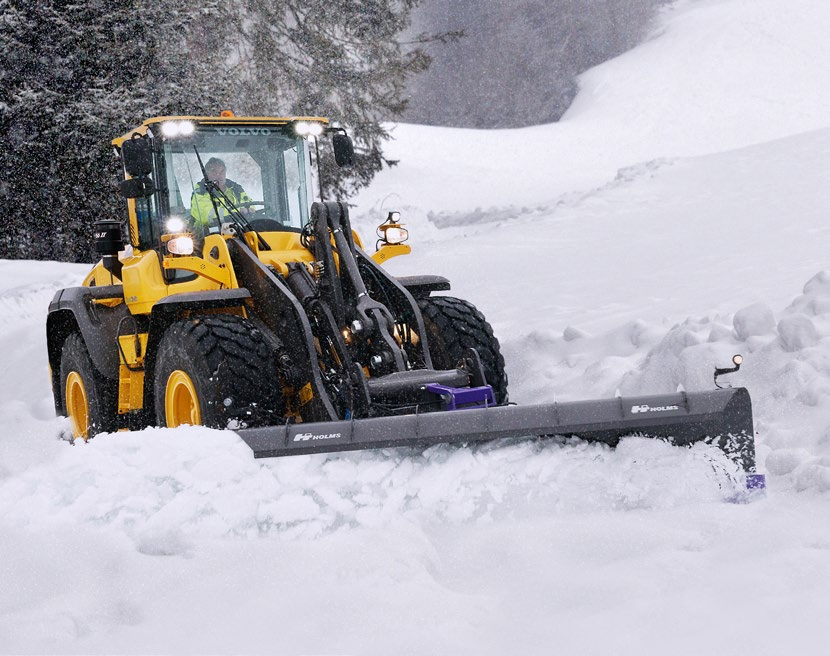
x=75, y=75
x=341, y=60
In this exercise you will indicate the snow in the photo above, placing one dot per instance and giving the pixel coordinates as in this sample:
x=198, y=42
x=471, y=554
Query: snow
x=716, y=75
x=677, y=216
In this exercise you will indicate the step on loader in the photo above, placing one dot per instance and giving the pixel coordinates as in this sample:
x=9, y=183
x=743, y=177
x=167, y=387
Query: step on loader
x=246, y=304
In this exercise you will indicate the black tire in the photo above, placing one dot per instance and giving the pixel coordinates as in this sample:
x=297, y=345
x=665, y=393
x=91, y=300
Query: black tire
x=231, y=367
x=92, y=403
x=454, y=325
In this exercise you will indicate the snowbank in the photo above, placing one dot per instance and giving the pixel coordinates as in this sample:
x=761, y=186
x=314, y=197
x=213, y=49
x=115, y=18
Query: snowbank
x=633, y=248
x=716, y=75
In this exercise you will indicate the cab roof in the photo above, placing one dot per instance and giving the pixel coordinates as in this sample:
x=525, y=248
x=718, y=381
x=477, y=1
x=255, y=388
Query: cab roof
x=218, y=120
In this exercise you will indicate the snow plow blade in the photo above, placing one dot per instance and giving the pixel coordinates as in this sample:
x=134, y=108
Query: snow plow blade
x=720, y=417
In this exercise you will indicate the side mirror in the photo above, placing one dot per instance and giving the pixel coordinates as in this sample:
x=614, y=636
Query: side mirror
x=343, y=149
x=137, y=156
x=141, y=187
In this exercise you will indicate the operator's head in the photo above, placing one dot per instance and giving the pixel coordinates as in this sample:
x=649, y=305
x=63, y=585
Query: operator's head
x=215, y=169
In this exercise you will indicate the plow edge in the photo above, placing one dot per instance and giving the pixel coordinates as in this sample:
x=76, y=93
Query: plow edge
x=719, y=417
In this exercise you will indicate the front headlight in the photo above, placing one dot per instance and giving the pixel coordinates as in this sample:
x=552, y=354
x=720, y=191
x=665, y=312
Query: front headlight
x=396, y=235
x=174, y=224
x=391, y=231
x=180, y=246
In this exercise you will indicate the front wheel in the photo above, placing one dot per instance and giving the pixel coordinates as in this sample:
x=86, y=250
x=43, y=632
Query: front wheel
x=454, y=325
x=89, y=399
x=216, y=371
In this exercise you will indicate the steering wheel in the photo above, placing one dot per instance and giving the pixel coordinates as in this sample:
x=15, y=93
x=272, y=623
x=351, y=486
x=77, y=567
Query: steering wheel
x=259, y=219
x=254, y=203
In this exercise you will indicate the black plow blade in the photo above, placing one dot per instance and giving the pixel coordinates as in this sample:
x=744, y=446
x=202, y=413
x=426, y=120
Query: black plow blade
x=720, y=417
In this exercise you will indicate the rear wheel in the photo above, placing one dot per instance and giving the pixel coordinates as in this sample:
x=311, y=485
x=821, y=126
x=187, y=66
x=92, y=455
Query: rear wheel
x=454, y=325
x=89, y=399
x=216, y=371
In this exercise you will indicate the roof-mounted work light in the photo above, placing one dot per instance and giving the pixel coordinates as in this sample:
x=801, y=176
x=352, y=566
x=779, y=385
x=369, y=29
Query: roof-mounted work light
x=173, y=129
x=308, y=128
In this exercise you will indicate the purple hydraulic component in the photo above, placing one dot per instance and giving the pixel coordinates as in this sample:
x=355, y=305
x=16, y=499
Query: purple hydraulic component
x=464, y=398
x=756, y=482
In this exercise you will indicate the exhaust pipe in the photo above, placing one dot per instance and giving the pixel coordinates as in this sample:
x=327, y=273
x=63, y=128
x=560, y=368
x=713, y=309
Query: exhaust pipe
x=108, y=242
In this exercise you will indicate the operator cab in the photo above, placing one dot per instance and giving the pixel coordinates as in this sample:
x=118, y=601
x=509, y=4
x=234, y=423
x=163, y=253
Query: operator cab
x=268, y=159
x=269, y=163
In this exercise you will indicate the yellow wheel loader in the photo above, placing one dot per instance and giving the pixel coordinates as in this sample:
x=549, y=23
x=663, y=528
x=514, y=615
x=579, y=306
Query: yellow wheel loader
x=230, y=298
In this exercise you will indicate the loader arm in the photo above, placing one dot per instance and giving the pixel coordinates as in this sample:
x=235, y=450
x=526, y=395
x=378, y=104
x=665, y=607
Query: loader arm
x=285, y=316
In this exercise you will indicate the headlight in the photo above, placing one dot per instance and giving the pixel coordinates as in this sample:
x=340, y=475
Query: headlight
x=180, y=246
x=308, y=128
x=391, y=231
x=396, y=235
x=177, y=129
x=174, y=224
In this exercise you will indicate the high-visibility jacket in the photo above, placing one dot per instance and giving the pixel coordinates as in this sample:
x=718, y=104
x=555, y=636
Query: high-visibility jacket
x=201, y=204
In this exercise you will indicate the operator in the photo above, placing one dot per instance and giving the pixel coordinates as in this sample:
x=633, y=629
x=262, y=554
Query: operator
x=202, y=205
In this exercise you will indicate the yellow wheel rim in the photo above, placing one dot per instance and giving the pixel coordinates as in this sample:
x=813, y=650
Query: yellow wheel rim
x=181, y=402
x=77, y=406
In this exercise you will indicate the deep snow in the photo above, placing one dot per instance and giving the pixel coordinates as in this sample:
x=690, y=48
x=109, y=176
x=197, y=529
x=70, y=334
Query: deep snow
x=675, y=217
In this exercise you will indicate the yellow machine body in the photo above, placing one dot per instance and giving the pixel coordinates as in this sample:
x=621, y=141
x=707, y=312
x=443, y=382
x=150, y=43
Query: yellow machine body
x=144, y=274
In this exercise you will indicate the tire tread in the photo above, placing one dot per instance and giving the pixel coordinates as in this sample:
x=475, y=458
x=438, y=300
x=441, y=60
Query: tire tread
x=454, y=325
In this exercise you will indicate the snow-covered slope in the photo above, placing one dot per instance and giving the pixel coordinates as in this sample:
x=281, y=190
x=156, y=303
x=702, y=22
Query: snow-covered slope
x=614, y=256
x=716, y=75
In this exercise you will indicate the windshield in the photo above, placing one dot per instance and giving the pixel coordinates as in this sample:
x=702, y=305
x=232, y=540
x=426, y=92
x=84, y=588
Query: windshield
x=258, y=169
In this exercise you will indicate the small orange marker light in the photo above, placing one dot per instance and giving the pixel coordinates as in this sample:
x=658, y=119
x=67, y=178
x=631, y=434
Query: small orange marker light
x=227, y=113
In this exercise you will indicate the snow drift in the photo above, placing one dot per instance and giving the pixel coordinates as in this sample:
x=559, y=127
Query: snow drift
x=676, y=216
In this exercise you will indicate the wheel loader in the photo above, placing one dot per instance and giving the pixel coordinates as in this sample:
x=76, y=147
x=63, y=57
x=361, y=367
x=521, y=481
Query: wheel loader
x=251, y=306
